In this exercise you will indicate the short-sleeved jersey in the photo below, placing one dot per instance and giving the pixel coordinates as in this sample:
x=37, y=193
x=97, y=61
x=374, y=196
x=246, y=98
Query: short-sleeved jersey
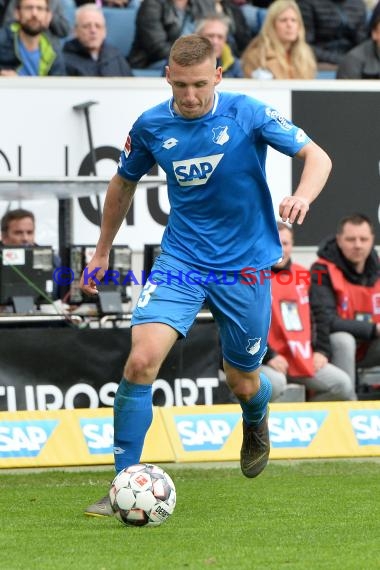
x=221, y=211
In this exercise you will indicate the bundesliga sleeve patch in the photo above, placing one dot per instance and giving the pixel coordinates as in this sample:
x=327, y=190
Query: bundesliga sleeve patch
x=127, y=146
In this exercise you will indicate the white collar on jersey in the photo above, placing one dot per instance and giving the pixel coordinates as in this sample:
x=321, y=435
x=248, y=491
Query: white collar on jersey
x=174, y=114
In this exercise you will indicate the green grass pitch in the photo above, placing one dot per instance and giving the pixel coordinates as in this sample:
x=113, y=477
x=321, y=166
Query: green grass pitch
x=297, y=515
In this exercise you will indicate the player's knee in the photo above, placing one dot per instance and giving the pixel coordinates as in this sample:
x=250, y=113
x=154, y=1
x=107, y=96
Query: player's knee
x=243, y=384
x=141, y=366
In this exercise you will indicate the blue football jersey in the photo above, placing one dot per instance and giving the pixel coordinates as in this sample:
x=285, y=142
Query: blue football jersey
x=221, y=215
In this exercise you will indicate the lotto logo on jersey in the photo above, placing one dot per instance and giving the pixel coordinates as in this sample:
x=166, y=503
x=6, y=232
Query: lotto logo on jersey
x=205, y=432
x=295, y=429
x=366, y=426
x=196, y=171
x=25, y=439
x=98, y=434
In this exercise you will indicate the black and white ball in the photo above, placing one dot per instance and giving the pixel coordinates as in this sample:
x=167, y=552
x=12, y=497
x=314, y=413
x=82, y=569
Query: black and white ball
x=142, y=495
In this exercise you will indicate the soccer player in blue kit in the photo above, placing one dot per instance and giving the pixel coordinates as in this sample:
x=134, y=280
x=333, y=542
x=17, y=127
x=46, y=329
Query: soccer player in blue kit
x=212, y=146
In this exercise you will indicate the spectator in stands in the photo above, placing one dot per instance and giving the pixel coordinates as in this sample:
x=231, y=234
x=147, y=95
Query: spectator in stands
x=292, y=353
x=18, y=228
x=333, y=27
x=280, y=50
x=159, y=24
x=25, y=49
x=363, y=61
x=346, y=303
x=88, y=53
x=59, y=26
x=215, y=28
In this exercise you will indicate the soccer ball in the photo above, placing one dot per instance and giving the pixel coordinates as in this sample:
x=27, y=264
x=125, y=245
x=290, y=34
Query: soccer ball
x=142, y=495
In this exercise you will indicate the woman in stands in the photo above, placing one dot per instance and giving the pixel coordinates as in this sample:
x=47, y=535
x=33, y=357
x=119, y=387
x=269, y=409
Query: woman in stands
x=280, y=50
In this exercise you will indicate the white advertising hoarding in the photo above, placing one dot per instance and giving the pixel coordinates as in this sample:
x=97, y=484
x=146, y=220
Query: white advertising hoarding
x=42, y=135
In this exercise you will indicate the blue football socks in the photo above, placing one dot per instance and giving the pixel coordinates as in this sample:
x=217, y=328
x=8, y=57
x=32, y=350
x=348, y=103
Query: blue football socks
x=133, y=414
x=255, y=409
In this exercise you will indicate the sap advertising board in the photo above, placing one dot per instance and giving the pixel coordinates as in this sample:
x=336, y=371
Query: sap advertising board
x=200, y=432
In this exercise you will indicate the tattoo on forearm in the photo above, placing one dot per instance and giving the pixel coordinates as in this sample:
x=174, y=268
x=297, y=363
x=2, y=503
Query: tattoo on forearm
x=129, y=188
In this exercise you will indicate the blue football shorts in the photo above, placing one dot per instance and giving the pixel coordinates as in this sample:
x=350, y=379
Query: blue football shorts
x=175, y=293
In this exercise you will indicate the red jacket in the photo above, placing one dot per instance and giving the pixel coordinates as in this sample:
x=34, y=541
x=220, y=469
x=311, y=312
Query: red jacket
x=290, y=331
x=354, y=301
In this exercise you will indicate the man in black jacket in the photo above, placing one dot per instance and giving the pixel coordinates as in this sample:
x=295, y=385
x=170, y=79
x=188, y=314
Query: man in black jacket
x=363, y=62
x=345, y=295
x=88, y=54
x=333, y=27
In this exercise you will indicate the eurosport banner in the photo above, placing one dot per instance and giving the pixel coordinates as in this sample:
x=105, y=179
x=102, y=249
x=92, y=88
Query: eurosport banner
x=188, y=434
x=64, y=368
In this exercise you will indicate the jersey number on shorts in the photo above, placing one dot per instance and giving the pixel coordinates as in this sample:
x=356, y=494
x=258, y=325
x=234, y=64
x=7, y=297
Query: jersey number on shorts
x=146, y=294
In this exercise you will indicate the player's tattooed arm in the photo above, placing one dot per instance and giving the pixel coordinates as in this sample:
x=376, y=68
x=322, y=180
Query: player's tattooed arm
x=128, y=186
x=118, y=200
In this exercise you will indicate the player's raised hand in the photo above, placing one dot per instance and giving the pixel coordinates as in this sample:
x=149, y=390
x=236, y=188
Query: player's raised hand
x=293, y=209
x=93, y=274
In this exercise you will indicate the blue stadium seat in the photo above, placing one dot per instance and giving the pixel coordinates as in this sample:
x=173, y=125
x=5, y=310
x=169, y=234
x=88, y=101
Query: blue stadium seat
x=69, y=7
x=121, y=27
x=261, y=15
x=326, y=74
x=147, y=72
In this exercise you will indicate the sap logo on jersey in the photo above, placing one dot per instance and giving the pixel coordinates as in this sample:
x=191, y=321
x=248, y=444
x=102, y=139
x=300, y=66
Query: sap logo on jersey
x=98, y=434
x=205, y=432
x=294, y=429
x=24, y=439
x=366, y=426
x=195, y=171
